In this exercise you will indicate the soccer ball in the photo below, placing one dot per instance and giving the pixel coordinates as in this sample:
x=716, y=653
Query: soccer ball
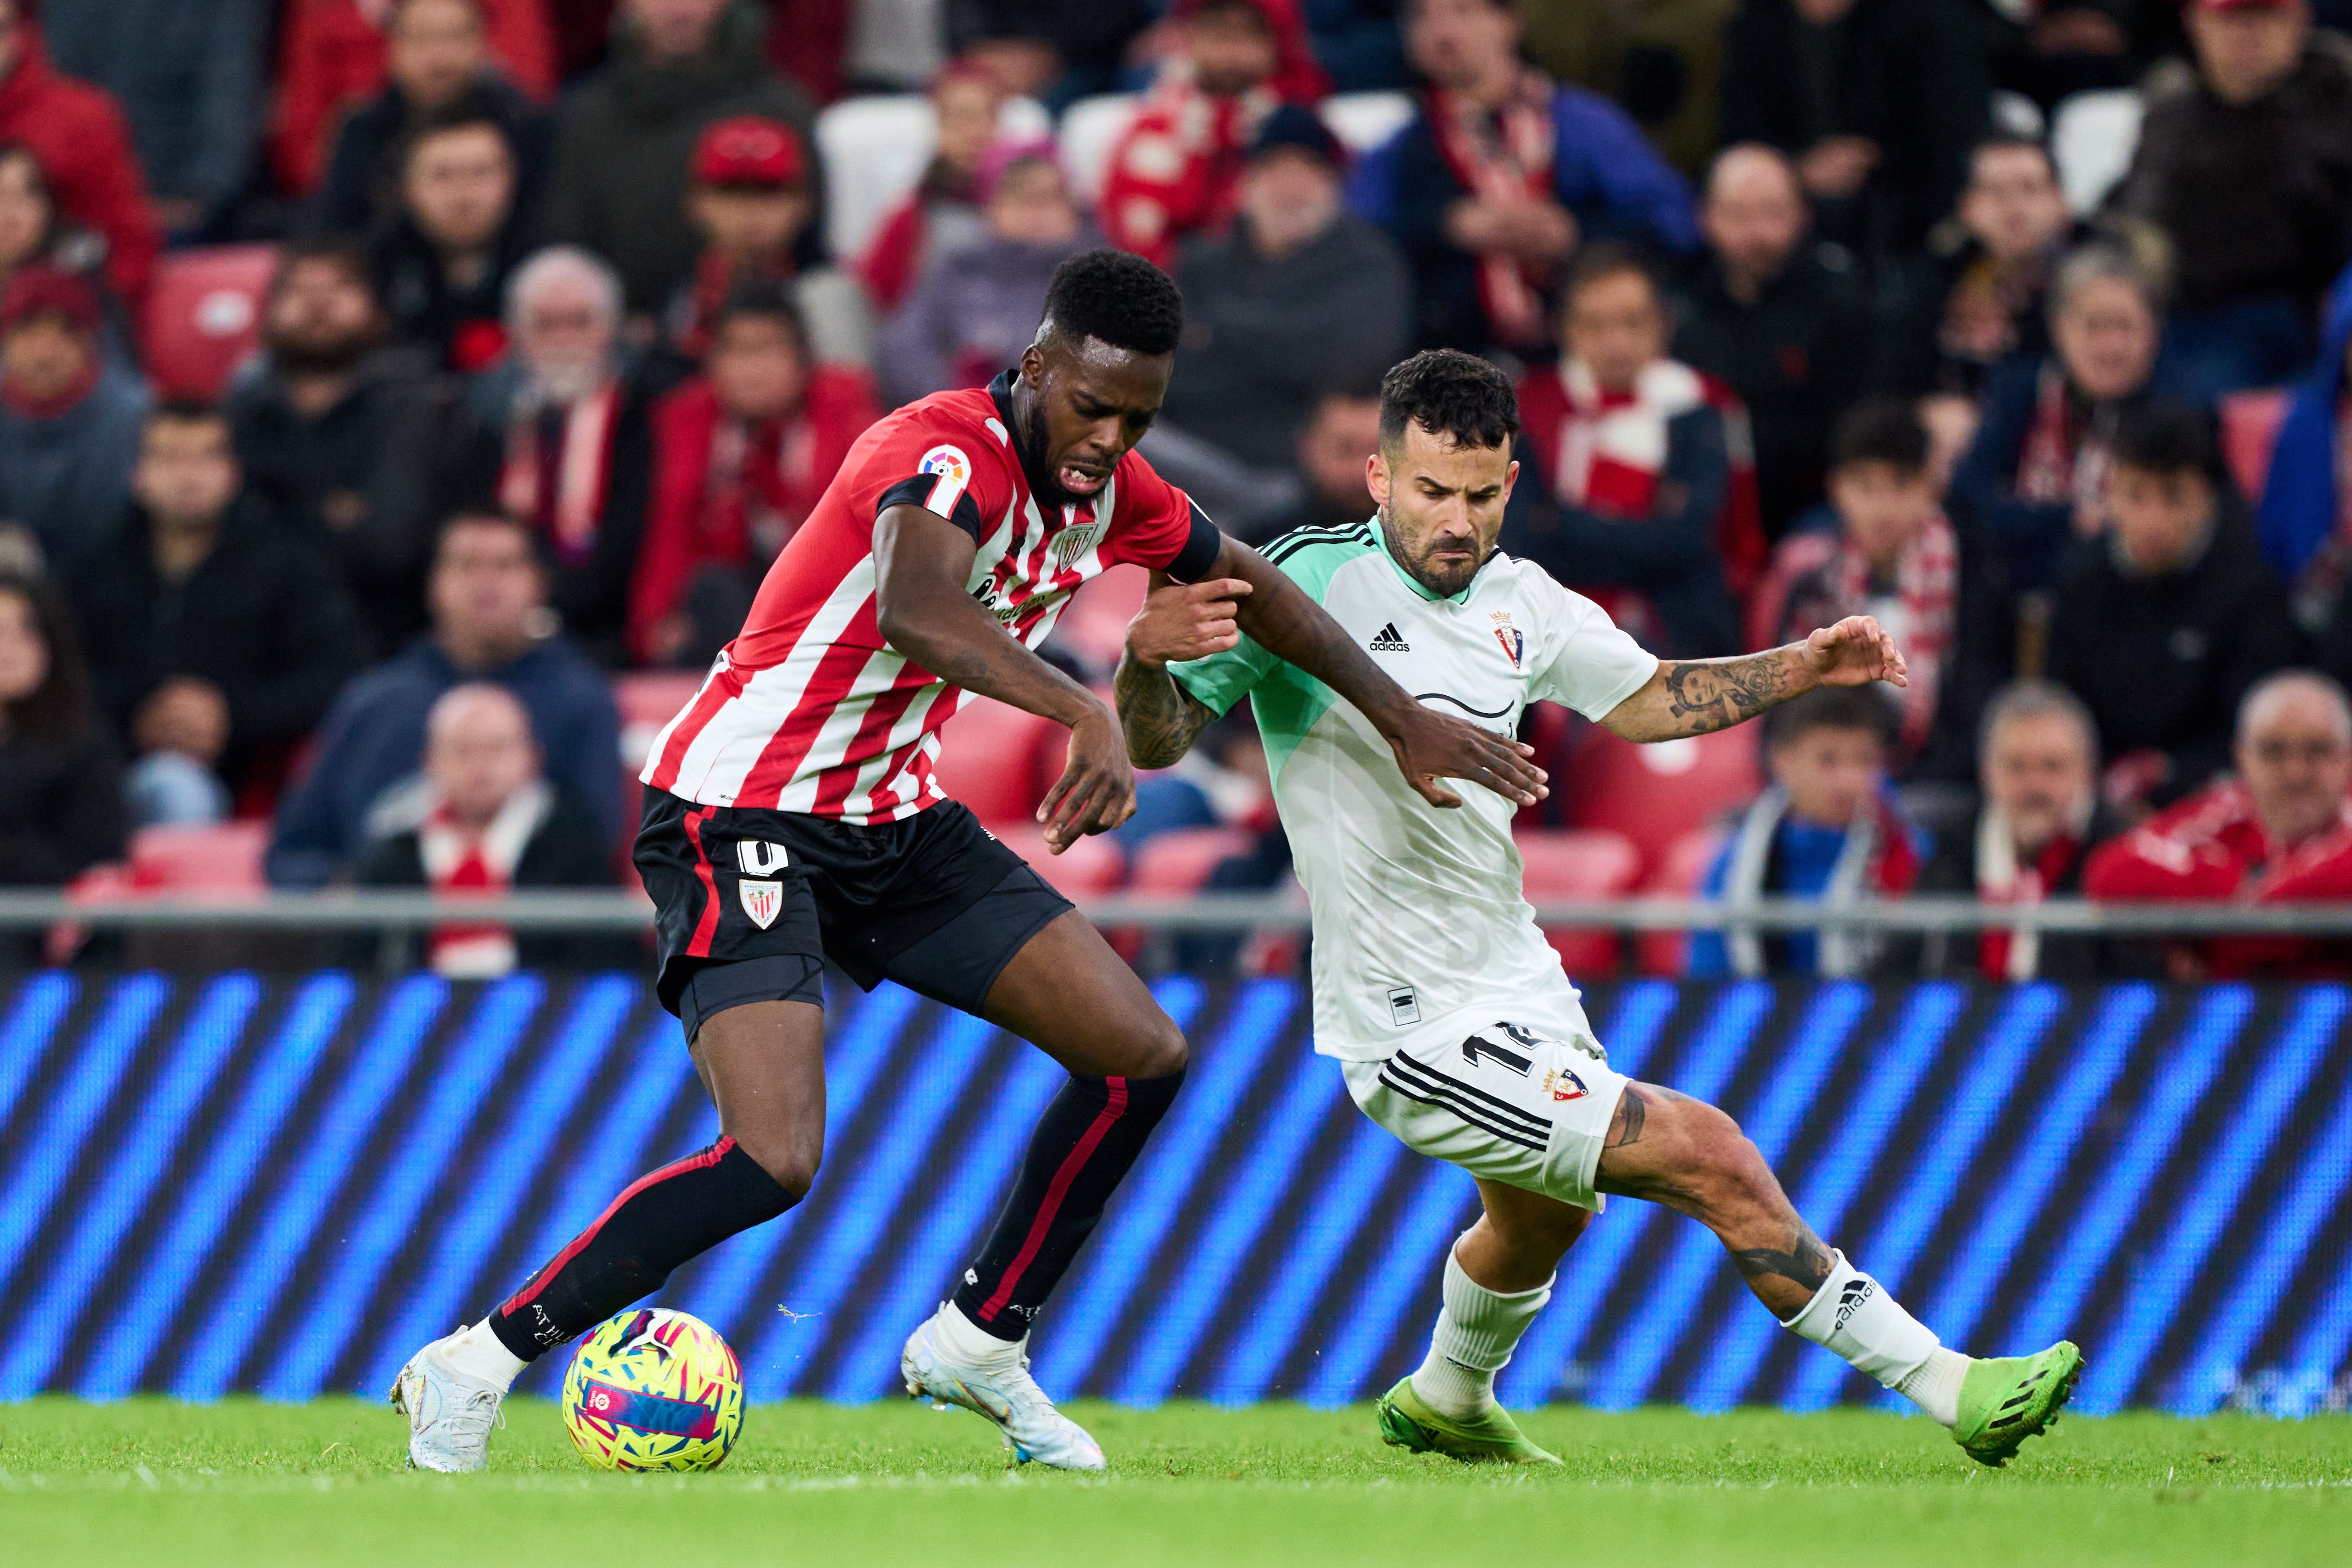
x=653, y=1390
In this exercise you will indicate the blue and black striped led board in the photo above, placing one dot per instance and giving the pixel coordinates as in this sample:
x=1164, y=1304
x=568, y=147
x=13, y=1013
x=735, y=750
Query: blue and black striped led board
x=190, y=1170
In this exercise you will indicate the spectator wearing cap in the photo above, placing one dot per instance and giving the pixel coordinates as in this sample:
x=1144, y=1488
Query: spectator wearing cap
x=977, y=308
x=336, y=56
x=192, y=78
x=488, y=603
x=1775, y=314
x=2278, y=831
x=225, y=636
x=437, y=61
x=626, y=136
x=743, y=453
x=752, y=200
x=2245, y=162
x=942, y=213
x=78, y=133
x=442, y=265
x=1500, y=176
x=565, y=443
x=2162, y=622
x=1177, y=169
x=1300, y=297
x=345, y=438
x=69, y=419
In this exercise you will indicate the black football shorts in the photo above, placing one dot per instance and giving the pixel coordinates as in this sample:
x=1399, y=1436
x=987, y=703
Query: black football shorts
x=748, y=903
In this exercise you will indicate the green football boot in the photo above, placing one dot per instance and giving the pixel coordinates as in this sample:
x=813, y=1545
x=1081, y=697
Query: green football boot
x=2004, y=1400
x=1494, y=1438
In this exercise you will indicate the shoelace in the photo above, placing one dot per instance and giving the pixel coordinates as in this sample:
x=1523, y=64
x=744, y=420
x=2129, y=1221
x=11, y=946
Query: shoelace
x=475, y=1418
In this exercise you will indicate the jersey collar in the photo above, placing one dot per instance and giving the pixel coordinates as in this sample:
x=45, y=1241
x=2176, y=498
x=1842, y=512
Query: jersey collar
x=1381, y=542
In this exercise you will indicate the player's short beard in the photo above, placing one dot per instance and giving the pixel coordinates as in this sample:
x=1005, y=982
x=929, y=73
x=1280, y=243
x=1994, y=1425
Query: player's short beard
x=1420, y=570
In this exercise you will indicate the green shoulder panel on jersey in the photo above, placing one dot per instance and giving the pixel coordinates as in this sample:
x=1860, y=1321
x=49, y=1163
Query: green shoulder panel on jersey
x=1280, y=550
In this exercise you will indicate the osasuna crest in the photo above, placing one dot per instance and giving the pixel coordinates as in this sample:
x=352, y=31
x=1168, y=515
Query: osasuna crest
x=763, y=901
x=1564, y=1085
x=1514, y=641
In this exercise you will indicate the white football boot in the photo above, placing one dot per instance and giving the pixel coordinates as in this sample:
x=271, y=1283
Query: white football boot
x=1000, y=1389
x=449, y=1413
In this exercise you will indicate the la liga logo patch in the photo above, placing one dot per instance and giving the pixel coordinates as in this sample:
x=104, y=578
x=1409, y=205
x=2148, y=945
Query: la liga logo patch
x=951, y=473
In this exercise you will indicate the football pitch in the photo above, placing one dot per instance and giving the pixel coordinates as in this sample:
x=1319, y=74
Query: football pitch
x=251, y=1484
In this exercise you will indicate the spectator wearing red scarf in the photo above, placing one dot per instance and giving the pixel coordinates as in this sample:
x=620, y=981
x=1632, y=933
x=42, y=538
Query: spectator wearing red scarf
x=942, y=214
x=1177, y=169
x=742, y=455
x=2279, y=832
x=1646, y=461
x=333, y=60
x=78, y=133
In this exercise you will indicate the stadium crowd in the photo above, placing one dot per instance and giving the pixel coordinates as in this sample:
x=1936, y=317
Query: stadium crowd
x=2024, y=325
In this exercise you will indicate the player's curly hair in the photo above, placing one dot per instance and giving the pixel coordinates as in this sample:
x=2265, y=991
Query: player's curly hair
x=1118, y=298
x=1451, y=394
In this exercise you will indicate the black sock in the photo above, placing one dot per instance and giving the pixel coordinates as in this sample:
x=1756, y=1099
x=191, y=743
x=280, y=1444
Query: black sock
x=658, y=1222
x=1081, y=1152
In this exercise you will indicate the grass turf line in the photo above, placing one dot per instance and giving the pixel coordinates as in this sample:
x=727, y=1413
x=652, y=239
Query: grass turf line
x=252, y=1485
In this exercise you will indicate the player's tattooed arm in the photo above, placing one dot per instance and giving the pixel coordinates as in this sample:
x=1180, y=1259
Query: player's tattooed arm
x=1697, y=697
x=1161, y=718
x=1803, y=1261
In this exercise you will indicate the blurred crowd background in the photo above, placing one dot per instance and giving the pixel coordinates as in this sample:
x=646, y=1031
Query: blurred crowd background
x=400, y=400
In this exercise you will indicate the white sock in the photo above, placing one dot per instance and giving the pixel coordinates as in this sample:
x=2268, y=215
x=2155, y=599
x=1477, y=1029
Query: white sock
x=479, y=1352
x=1477, y=1329
x=970, y=1344
x=1853, y=1316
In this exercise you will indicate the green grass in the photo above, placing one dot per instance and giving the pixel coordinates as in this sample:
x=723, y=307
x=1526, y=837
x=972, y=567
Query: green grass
x=251, y=1484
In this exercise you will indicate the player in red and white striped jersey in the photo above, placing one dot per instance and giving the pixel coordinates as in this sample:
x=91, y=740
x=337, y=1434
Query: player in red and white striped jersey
x=791, y=816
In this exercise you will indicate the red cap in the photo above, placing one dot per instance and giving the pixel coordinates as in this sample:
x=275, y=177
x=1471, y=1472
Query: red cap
x=45, y=292
x=748, y=149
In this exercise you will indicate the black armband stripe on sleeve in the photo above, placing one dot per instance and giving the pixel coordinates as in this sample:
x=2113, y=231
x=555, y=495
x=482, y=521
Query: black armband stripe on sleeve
x=916, y=491
x=1201, y=549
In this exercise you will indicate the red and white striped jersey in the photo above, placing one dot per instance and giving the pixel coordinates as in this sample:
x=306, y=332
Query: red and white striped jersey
x=808, y=709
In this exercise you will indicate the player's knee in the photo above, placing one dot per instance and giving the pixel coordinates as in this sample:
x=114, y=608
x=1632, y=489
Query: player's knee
x=1159, y=1049
x=790, y=1162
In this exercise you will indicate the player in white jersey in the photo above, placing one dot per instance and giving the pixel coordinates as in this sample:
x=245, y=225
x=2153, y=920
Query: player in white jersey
x=1447, y=1010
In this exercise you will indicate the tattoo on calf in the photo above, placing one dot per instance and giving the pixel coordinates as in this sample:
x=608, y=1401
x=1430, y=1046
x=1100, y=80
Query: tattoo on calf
x=1805, y=1262
x=1718, y=693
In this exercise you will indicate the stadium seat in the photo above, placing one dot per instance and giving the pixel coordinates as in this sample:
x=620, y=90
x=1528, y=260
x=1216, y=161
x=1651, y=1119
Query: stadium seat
x=1654, y=794
x=1180, y=861
x=1086, y=869
x=1363, y=120
x=212, y=858
x=874, y=151
x=1572, y=863
x=1090, y=129
x=990, y=759
x=1679, y=875
x=2092, y=138
x=2250, y=427
x=204, y=316
x=1092, y=625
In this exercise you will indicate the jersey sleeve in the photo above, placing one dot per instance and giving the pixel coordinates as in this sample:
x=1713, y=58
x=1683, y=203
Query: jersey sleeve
x=1592, y=664
x=947, y=465
x=1224, y=678
x=1158, y=526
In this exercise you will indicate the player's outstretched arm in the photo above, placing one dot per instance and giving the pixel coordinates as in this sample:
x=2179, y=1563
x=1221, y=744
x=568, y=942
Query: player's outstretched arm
x=1279, y=616
x=1178, y=621
x=1696, y=697
x=921, y=562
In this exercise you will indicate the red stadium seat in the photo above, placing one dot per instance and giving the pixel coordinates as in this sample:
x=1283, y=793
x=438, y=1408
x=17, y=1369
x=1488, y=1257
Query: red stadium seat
x=1089, y=867
x=213, y=859
x=203, y=315
x=1179, y=862
x=990, y=759
x=1094, y=623
x=2250, y=427
x=1654, y=794
x=1569, y=863
x=1679, y=875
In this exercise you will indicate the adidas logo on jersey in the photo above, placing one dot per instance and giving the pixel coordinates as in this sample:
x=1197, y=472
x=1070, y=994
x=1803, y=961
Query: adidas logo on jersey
x=1389, y=640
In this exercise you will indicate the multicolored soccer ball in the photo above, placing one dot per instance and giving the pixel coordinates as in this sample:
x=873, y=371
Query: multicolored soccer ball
x=653, y=1390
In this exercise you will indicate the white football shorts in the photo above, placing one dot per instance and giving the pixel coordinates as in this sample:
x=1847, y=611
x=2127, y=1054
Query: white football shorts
x=1507, y=1103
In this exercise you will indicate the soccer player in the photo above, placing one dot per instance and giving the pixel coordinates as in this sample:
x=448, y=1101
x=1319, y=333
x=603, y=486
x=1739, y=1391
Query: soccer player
x=792, y=815
x=1434, y=989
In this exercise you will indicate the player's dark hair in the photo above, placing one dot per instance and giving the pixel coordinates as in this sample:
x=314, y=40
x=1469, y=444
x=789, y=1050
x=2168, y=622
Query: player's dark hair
x=2163, y=438
x=765, y=297
x=1880, y=430
x=1117, y=299
x=1611, y=258
x=1862, y=708
x=1448, y=393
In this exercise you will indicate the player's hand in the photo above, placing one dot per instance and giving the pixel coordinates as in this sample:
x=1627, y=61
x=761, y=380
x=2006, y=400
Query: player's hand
x=1855, y=652
x=1096, y=790
x=1432, y=746
x=1186, y=620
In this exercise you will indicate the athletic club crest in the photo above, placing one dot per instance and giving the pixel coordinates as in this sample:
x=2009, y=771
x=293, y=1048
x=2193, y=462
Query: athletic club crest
x=763, y=901
x=1072, y=542
x=1514, y=641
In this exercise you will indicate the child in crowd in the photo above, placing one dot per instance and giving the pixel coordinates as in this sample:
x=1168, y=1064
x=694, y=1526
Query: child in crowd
x=1827, y=827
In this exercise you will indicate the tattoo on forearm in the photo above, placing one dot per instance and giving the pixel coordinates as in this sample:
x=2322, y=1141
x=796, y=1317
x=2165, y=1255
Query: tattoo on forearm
x=1804, y=1262
x=1626, y=1126
x=1160, y=719
x=1717, y=693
